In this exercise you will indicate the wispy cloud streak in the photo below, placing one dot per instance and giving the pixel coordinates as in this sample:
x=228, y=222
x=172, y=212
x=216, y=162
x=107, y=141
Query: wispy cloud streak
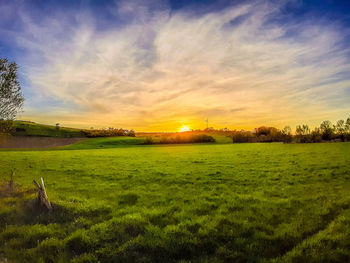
x=157, y=69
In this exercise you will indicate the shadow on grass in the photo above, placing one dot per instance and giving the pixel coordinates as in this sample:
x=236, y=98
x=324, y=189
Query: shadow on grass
x=21, y=207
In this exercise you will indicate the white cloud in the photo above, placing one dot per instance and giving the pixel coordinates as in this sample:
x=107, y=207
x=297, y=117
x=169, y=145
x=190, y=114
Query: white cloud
x=163, y=68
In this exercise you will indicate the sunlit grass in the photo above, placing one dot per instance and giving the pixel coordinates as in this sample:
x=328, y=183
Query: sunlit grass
x=205, y=203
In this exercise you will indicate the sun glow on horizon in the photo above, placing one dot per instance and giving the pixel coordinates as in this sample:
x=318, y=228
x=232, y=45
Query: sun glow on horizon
x=149, y=67
x=184, y=129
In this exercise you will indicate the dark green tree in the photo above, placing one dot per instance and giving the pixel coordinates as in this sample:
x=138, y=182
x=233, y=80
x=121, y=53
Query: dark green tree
x=327, y=130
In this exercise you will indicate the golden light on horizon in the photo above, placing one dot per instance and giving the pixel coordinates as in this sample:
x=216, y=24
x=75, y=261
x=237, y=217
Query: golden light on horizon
x=184, y=129
x=150, y=76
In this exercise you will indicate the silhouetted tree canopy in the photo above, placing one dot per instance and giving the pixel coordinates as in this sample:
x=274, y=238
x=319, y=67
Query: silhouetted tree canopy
x=326, y=130
x=11, y=97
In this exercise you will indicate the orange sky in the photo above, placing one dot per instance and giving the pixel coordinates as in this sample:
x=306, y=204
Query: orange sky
x=162, y=70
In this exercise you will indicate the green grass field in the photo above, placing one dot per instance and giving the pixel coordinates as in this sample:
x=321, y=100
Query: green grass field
x=180, y=203
x=117, y=142
x=24, y=128
x=105, y=142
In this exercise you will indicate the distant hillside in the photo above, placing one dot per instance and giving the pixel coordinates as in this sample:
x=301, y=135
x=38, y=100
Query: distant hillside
x=27, y=128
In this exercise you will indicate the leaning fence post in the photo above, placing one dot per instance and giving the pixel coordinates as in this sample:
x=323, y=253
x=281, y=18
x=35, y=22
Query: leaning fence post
x=42, y=196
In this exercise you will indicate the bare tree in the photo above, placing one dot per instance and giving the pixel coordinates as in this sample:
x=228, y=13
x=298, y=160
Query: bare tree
x=286, y=133
x=287, y=130
x=347, y=125
x=302, y=133
x=339, y=128
x=302, y=130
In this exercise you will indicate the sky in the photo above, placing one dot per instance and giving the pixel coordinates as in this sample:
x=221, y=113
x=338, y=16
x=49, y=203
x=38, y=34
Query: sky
x=160, y=65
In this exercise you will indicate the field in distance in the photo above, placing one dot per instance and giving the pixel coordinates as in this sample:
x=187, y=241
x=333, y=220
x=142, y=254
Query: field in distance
x=194, y=203
x=32, y=135
x=27, y=128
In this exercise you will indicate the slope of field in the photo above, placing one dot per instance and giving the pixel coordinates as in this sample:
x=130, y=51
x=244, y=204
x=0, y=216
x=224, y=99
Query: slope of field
x=106, y=142
x=24, y=128
x=121, y=141
x=22, y=142
x=194, y=203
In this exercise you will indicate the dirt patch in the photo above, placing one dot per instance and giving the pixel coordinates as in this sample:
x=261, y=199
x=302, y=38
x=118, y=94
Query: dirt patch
x=35, y=142
x=8, y=190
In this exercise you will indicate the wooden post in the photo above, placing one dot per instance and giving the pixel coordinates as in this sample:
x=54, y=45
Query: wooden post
x=42, y=196
x=11, y=180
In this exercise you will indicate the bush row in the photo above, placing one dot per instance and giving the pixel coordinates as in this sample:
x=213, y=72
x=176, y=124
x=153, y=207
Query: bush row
x=108, y=133
x=181, y=138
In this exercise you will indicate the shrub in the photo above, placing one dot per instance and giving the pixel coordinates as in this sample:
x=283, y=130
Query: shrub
x=269, y=134
x=149, y=140
x=241, y=137
x=131, y=133
x=108, y=133
x=265, y=131
x=186, y=138
x=201, y=138
x=6, y=126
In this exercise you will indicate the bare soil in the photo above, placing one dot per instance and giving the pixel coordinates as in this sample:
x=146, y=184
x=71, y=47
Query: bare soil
x=35, y=142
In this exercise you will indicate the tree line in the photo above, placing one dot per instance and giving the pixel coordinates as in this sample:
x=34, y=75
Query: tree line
x=111, y=132
x=340, y=131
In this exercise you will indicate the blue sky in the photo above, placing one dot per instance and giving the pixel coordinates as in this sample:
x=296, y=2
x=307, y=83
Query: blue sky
x=159, y=65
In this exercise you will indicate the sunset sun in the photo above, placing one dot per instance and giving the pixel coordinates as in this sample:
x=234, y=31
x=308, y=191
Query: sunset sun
x=184, y=129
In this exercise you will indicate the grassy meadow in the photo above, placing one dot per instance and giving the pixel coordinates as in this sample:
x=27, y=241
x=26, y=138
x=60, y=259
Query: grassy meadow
x=26, y=128
x=179, y=203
